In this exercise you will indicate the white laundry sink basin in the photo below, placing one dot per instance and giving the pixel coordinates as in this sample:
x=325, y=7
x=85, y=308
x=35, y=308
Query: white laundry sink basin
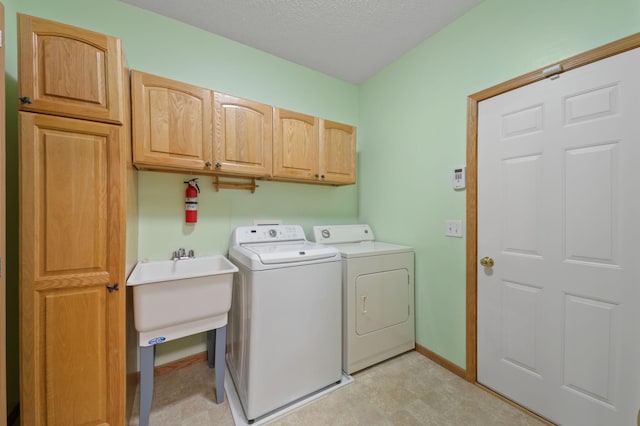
x=176, y=298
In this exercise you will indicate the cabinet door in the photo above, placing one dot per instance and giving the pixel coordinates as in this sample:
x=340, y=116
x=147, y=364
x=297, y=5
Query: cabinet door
x=69, y=71
x=337, y=153
x=243, y=138
x=295, y=145
x=71, y=325
x=171, y=123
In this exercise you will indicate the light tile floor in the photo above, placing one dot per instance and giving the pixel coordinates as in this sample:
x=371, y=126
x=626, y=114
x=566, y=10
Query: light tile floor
x=407, y=390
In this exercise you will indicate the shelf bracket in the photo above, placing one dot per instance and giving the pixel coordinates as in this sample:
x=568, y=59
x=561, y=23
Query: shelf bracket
x=251, y=186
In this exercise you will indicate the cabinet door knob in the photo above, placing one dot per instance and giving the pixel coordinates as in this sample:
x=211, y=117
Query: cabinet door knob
x=321, y=176
x=25, y=99
x=317, y=175
x=218, y=165
x=113, y=288
x=207, y=164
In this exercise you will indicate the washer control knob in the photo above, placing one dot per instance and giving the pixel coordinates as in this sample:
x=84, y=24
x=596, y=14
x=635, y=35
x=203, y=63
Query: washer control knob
x=273, y=233
x=325, y=233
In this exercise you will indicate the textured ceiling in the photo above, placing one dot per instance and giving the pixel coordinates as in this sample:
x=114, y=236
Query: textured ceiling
x=347, y=39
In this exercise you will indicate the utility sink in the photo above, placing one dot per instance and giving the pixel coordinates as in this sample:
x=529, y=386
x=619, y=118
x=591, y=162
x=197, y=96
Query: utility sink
x=177, y=298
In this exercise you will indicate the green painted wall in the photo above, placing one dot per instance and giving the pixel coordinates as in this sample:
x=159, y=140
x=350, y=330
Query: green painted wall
x=411, y=120
x=413, y=132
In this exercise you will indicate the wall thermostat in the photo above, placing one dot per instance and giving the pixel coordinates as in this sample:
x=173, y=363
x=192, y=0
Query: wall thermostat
x=459, y=177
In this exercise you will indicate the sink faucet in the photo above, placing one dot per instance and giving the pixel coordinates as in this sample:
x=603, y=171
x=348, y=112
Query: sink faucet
x=181, y=253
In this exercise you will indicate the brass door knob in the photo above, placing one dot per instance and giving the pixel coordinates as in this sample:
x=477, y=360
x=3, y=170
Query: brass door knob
x=487, y=262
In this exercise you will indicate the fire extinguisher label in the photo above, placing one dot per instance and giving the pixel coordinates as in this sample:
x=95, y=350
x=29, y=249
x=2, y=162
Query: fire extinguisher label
x=191, y=204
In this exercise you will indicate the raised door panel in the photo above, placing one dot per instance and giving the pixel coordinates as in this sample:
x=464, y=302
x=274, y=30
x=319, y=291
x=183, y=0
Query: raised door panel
x=71, y=325
x=337, y=153
x=243, y=136
x=172, y=124
x=295, y=145
x=65, y=70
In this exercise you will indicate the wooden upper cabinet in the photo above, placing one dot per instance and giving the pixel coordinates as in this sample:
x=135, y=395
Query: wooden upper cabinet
x=172, y=124
x=72, y=326
x=69, y=71
x=308, y=149
x=180, y=127
x=243, y=136
x=295, y=145
x=337, y=153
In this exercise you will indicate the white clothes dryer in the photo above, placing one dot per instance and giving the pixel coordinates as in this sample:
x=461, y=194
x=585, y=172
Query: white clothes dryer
x=377, y=295
x=284, y=333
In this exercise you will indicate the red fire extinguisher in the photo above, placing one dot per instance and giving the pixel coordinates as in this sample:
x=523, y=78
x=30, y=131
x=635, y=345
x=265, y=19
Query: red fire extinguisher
x=191, y=201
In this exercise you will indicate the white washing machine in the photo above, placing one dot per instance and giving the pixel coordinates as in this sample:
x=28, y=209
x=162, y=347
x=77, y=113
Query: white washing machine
x=378, y=295
x=284, y=331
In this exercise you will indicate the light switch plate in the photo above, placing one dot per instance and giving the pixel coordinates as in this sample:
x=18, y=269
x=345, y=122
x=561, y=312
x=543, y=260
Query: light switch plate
x=453, y=228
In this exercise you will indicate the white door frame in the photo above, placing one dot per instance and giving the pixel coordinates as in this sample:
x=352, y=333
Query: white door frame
x=614, y=48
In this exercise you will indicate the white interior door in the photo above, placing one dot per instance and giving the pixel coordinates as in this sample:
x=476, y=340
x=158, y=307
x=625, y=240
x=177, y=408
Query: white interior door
x=558, y=213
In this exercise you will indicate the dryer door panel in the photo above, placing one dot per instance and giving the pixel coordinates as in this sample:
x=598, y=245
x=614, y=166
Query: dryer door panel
x=382, y=300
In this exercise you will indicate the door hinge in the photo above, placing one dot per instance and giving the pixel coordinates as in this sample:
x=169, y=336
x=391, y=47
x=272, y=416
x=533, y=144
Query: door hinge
x=552, y=71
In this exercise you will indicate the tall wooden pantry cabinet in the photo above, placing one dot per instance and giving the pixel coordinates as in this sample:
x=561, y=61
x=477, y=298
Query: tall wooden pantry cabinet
x=73, y=126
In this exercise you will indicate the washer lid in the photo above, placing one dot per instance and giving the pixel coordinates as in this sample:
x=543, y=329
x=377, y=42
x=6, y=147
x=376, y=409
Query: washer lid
x=288, y=252
x=370, y=248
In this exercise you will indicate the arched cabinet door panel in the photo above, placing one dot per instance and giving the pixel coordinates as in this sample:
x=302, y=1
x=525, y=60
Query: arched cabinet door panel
x=337, y=152
x=295, y=145
x=242, y=136
x=52, y=56
x=172, y=124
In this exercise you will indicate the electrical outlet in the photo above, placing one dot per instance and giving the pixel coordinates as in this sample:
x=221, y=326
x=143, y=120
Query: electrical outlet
x=453, y=228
